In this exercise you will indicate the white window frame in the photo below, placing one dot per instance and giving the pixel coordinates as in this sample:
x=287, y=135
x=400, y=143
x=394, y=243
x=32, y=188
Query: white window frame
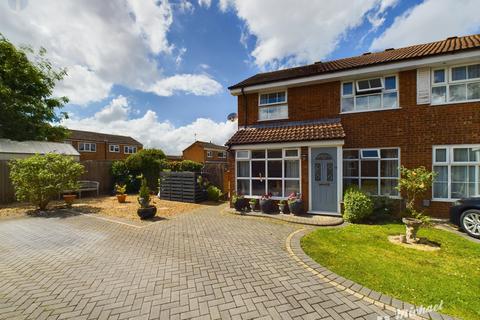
x=114, y=148
x=382, y=82
x=82, y=147
x=451, y=163
x=209, y=154
x=448, y=82
x=382, y=93
x=222, y=154
x=379, y=177
x=365, y=157
x=272, y=105
x=266, y=178
x=129, y=149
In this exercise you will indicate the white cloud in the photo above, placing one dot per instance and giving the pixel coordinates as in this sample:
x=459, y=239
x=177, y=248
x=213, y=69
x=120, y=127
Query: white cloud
x=200, y=85
x=152, y=132
x=294, y=32
x=430, y=21
x=205, y=3
x=101, y=43
x=185, y=6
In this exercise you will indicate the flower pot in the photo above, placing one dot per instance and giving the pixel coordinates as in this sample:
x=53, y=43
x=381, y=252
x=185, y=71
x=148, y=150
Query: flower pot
x=412, y=225
x=266, y=205
x=296, y=207
x=281, y=208
x=144, y=202
x=253, y=206
x=121, y=198
x=241, y=204
x=69, y=198
x=147, y=213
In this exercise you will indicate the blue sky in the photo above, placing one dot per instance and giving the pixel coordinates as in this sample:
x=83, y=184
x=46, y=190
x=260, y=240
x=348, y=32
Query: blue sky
x=159, y=70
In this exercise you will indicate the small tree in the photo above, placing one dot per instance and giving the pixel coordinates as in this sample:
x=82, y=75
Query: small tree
x=148, y=163
x=413, y=183
x=39, y=178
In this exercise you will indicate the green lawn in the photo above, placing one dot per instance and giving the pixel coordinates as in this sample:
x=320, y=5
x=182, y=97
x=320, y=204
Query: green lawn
x=362, y=253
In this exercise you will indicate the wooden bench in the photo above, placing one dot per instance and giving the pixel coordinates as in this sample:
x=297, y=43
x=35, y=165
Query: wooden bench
x=85, y=185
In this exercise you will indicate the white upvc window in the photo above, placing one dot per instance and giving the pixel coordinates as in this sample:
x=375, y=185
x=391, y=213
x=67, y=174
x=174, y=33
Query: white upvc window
x=209, y=154
x=371, y=94
x=456, y=84
x=275, y=171
x=375, y=171
x=130, y=149
x=222, y=154
x=457, y=169
x=87, y=147
x=272, y=106
x=114, y=148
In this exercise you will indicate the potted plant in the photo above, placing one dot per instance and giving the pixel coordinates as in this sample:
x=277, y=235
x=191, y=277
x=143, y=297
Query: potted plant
x=414, y=182
x=295, y=203
x=239, y=202
x=281, y=206
x=146, y=211
x=69, y=199
x=266, y=203
x=253, y=204
x=121, y=192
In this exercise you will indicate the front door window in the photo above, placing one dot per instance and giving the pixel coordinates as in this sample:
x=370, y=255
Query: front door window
x=324, y=168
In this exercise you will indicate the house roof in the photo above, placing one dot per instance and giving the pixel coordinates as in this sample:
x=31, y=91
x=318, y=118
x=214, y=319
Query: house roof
x=101, y=137
x=443, y=47
x=208, y=145
x=34, y=147
x=174, y=158
x=326, y=129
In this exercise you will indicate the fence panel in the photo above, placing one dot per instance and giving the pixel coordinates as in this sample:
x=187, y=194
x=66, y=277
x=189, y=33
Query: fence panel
x=99, y=170
x=215, y=173
x=7, y=193
x=181, y=186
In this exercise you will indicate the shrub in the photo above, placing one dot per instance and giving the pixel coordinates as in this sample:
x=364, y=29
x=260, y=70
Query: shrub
x=119, y=171
x=214, y=193
x=148, y=163
x=144, y=193
x=39, y=178
x=188, y=165
x=357, y=205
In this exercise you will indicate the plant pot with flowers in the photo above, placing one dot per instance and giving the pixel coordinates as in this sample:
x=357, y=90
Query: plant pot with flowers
x=121, y=192
x=253, y=204
x=295, y=203
x=266, y=203
x=146, y=211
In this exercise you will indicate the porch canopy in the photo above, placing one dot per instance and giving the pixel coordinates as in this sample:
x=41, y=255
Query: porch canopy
x=325, y=129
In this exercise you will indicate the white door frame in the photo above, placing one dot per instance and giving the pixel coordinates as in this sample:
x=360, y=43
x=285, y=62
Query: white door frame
x=339, y=147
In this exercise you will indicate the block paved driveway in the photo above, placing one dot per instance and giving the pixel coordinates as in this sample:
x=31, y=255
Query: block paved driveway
x=207, y=264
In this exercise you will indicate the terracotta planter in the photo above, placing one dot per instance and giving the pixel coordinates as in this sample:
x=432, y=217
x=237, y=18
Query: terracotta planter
x=412, y=225
x=147, y=213
x=266, y=205
x=121, y=198
x=296, y=207
x=69, y=199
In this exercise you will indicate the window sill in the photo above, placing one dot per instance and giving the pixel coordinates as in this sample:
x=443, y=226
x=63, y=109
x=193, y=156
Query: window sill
x=444, y=200
x=87, y=151
x=453, y=102
x=372, y=110
x=266, y=120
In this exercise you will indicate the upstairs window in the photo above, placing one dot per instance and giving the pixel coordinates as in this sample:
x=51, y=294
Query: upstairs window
x=222, y=154
x=456, y=84
x=272, y=106
x=114, y=148
x=370, y=94
x=87, y=147
x=209, y=154
x=130, y=149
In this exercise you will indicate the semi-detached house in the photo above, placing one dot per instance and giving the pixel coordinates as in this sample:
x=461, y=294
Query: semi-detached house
x=319, y=128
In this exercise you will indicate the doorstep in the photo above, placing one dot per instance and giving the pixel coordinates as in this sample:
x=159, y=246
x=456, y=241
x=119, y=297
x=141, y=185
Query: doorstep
x=305, y=219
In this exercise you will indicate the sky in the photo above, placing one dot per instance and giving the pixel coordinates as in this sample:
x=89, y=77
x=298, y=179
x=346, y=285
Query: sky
x=159, y=70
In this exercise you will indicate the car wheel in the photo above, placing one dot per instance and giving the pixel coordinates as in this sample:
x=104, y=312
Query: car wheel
x=470, y=222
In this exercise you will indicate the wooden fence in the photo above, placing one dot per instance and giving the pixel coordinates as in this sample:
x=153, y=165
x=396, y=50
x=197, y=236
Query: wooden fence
x=95, y=170
x=181, y=186
x=215, y=173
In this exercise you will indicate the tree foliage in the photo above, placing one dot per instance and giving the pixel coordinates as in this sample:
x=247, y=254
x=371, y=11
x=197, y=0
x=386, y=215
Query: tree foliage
x=39, y=178
x=148, y=163
x=26, y=87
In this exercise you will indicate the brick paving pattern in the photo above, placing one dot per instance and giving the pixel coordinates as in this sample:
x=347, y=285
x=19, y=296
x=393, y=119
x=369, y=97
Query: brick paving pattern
x=201, y=265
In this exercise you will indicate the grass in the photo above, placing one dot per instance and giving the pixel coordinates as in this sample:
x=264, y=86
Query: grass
x=362, y=253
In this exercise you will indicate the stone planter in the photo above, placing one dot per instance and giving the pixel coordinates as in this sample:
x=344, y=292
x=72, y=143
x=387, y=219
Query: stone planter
x=241, y=204
x=147, y=213
x=412, y=225
x=296, y=207
x=69, y=199
x=121, y=198
x=266, y=205
x=281, y=208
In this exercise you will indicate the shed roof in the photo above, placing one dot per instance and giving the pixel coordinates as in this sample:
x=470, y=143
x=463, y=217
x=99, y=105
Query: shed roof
x=101, y=137
x=34, y=147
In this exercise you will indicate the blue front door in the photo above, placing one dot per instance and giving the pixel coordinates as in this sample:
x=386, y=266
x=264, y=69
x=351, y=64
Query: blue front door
x=324, y=179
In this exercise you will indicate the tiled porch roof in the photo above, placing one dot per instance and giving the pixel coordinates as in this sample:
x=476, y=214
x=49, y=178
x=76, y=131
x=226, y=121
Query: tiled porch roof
x=327, y=129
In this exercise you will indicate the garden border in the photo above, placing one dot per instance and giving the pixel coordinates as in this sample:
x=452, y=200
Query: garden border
x=383, y=301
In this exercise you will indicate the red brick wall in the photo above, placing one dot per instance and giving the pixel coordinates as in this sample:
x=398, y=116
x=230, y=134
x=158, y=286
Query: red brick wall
x=414, y=128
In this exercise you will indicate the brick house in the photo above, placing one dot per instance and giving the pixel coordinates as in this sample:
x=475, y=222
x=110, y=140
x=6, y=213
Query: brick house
x=101, y=146
x=319, y=128
x=205, y=152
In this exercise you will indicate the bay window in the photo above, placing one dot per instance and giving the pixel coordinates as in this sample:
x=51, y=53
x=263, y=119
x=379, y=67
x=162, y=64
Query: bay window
x=457, y=171
x=275, y=171
x=456, y=84
x=375, y=171
x=272, y=106
x=370, y=94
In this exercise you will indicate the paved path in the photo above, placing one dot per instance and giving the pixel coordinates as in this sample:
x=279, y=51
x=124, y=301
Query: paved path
x=205, y=264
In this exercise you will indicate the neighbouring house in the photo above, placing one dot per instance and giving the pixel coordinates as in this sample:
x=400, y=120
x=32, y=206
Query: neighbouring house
x=102, y=146
x=205, y=152
x=320, y=128
x=171, y=158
